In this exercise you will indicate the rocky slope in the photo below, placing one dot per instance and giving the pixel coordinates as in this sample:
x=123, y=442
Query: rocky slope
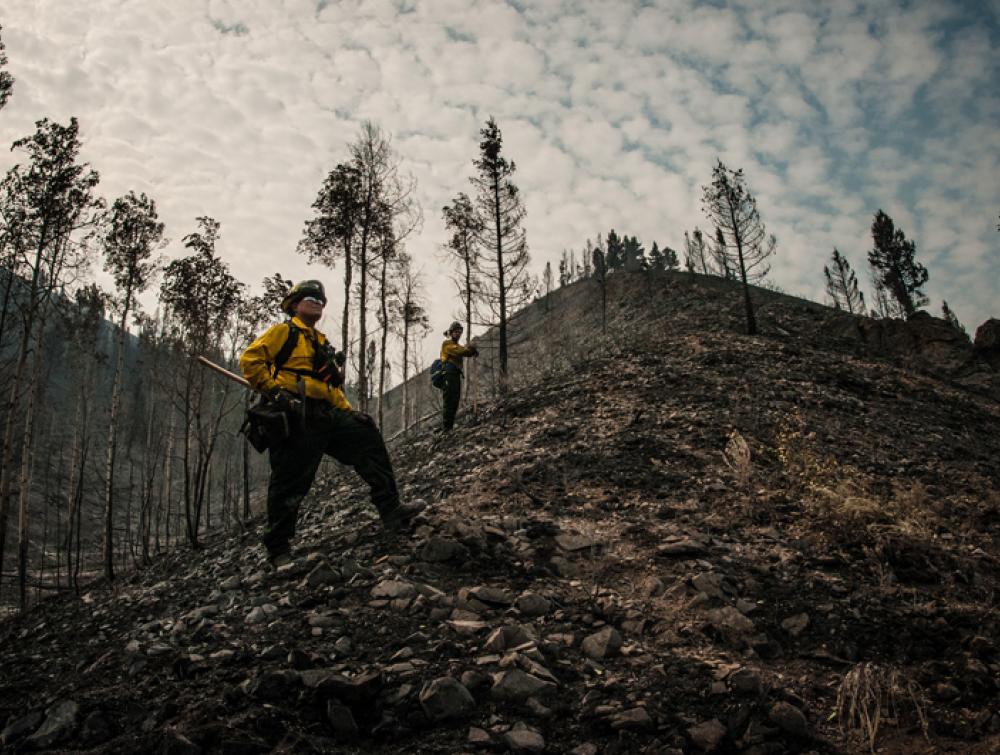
x=678, y=539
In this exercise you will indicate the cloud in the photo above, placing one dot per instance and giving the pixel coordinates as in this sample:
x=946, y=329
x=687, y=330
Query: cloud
x=614, y=112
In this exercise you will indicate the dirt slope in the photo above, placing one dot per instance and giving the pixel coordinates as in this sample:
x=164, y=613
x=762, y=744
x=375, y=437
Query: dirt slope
x=596, y=573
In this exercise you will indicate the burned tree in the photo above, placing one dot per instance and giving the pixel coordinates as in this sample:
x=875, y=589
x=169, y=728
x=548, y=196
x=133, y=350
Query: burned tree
x=331, y=234
x=47, y=206
x=894, y=267
x=466, y=228
x=842, y=285
x=732, y=209
x=202, y=298
x=131, y=235
x=505, y=260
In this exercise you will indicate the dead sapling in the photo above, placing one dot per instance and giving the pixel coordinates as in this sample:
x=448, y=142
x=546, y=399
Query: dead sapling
x=737, y=458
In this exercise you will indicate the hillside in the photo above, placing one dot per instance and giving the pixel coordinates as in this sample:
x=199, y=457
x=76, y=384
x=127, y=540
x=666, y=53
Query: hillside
x=595, y=572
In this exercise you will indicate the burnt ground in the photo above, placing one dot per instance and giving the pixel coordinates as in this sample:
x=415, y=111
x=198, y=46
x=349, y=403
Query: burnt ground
x=689, y=540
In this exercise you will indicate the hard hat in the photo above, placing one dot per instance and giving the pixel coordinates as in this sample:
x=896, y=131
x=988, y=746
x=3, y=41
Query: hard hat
x=300, y=291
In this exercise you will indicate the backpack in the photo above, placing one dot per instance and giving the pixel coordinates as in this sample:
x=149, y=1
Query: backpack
x=437, y=374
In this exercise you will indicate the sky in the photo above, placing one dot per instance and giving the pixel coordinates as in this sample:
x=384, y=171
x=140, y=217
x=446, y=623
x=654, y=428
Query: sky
x=614, y=113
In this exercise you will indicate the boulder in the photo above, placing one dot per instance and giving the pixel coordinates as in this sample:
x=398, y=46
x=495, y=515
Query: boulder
x=446, y=699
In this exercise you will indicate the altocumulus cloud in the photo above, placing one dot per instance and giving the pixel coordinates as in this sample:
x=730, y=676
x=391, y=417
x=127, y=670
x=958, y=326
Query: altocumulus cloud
x=614, y=112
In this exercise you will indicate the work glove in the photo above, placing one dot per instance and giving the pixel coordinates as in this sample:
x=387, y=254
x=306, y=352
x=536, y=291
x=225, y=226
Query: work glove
x=473, y=351
x=340, y=358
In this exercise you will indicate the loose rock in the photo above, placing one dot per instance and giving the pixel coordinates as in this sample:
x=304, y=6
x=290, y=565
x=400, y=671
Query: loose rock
x=446, y=699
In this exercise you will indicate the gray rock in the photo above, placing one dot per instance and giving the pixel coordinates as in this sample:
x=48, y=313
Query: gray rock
x=537, y=709
x=322, y=621
x=634, y=719
x=517, y=686
x=573, y=542
x=321, y=576
x=686, y=548
x=651, y=587
x=524, y=739
x=789, y=719
x=231, y=584
x=439, y=549
x=796, y=625
x=475, y=680
x=299, y=659
x=746, y=681
x=707, y=735
x=730, y=621
x=533, y=604
x=510, y=636
x=343, y=645
x=273, y=686
x=60, y=721
x=20, y=728
x=479, y=737
x=564, y=567
x=257, y=615
x=446, y=699
x=710, y=584
x=358, y=690
x=341, y=720
x=394, y=589
x=494, y=597
x=602, y=643
x=587, y=748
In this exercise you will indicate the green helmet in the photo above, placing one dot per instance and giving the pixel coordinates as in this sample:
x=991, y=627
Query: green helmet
x=300, y=291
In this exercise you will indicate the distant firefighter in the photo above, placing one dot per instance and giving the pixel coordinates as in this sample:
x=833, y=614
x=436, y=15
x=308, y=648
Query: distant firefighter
x=452, y=354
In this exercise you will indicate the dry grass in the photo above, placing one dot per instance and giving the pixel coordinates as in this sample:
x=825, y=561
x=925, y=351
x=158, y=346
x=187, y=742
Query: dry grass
x=840, y=493
x=871, y=696
x=737, y=458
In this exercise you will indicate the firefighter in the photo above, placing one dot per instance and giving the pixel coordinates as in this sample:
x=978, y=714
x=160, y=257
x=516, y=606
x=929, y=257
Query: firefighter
x=293, y=365
x=452, y=354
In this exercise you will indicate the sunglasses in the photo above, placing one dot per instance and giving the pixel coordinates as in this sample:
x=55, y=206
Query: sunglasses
x=313, y=299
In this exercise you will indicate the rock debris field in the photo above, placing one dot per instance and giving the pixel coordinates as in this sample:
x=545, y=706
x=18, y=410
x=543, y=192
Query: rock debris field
x=691, y=541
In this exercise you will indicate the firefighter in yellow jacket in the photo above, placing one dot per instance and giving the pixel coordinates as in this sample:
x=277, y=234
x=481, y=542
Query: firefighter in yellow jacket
x=308, y=383
x=452, y=354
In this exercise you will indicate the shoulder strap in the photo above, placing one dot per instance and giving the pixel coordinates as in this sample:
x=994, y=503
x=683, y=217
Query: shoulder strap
x=287, y=347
